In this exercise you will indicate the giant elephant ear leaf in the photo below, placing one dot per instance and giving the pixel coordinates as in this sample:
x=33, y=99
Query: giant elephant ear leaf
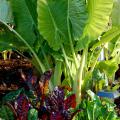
x=53, y=16
x=52, y=21
x=24, y=20
x=78, y=17
x=99, y=12
x=115, y=13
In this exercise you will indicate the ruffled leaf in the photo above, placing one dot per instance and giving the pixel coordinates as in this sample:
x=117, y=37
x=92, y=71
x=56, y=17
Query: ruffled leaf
x=70, y=102
x=22, y=107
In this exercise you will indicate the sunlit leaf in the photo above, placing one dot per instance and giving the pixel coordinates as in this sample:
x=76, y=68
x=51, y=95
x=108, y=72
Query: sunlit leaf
x=53, y=24
x=99, y=12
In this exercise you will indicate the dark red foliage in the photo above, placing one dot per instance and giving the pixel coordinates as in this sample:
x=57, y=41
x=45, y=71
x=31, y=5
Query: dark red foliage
x=22, y=107
x=50, y=106
x=70, y=102
x=58, y=108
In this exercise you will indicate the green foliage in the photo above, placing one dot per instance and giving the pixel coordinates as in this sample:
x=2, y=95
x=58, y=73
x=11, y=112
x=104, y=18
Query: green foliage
x=6, y=113
x=33, y=114
x=12, y=95
x=63, y=24
x=24, y=22
x=115, y=13
x=99, y=12
x=116, y=51
x=54, y=18
x=111, y=34
x=108, y=67
x=96, y=109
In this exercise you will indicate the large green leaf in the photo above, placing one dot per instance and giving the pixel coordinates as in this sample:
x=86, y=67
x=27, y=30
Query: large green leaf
x=9, y=41
x=24, y=22
x=115, y=13
x=107, y=37
x=99, y=12
x=32, y=6
x=52, y=21
x=53, y=24
x=78, y=16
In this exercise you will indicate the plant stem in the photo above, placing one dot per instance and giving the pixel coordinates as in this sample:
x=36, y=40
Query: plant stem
x=66, y=60
x=45, y=57
x=95, y=61
x=88, y=74
x=57, y=73
x=27, y=44
x=80, y=76
x=70, y=38
x=67, y=64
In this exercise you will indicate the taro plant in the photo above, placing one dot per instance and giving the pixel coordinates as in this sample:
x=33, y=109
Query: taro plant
x=62, y=35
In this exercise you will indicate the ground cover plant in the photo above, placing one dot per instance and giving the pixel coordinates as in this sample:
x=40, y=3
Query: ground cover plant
x=67, y=37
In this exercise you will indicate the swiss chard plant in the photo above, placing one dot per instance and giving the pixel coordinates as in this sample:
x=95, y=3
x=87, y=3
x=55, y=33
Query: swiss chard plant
x=37, y=103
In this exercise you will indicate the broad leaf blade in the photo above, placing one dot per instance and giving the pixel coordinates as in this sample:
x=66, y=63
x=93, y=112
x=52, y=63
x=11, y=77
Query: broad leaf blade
x=115, y=13
x=78, y=17
x=24, y=23
x=99, y=12
x=108, y=67
x=53, y=24
x=52, y=21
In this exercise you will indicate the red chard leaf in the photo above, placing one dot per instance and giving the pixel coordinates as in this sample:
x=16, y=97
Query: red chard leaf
x=22, y=107
x=70, y=102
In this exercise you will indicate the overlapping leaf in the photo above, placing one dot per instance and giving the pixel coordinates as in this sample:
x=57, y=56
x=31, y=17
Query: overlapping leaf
x=115, y=13
x=59, y=108
x=99, y=12
x=22, y=107
x=53, y=24
x=24, y=22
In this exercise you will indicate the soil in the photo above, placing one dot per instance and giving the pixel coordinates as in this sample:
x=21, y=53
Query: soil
x=12, y=71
